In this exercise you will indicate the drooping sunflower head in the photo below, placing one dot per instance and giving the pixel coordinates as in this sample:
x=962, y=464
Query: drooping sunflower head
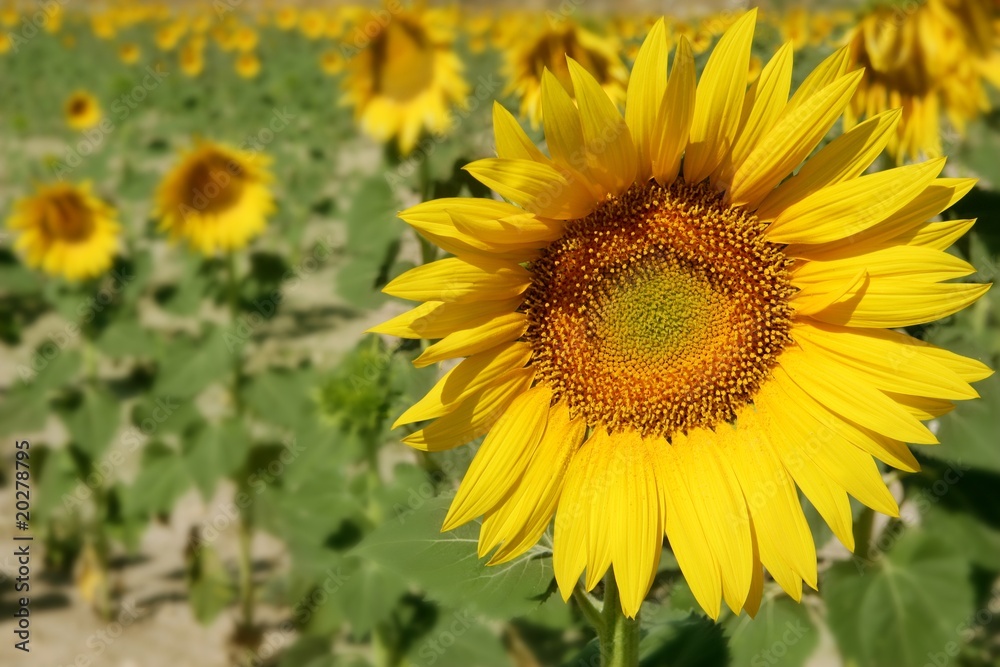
x=129, y=53
x=82, y=110
x=547, y=50
x=408, y=78
x=665, y=332
x=217, y=198
x=65, y=230
x=930, y=61
x=248, y=65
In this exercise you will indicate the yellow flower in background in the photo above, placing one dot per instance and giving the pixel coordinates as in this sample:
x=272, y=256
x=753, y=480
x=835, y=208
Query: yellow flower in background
x=245, y=39
x=665, y=333
x=103, y=26
x=407, y=79
x=191, y=59
x=331, y=63
x=217, y=198
x=930, y=61
x=65, y=230
x=312, y=23
x=248, y=65
x=547, y=49
x=286, y=18
x=82, y=110
x=129, y=53
x=5, y=43
x=169, y=35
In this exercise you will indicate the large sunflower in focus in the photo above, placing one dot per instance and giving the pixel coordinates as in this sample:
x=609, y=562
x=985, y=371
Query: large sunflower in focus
x=65, y=230
x=217, y=198
x=407, y=79
x=664, y=332
x=931, y=62
x=547, y=49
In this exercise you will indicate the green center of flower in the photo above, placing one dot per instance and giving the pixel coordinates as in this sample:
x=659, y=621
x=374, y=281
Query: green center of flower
x=661, y=311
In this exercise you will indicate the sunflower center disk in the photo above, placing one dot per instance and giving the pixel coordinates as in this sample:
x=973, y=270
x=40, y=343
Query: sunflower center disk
x=67, y=217
x=661, y=311
x=213, y=184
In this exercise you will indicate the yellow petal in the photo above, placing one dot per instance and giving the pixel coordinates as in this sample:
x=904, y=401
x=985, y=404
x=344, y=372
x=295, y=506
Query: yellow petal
x=517, y=524
x=719, y=101
x=828, y=71
x=437, y=319
x=608, y=143
x=645, y=93
x=847, y=393
x=915, y=263
x=454, y=279
x=936, y=197
x=502, y=457
x=511, y=141
x=470, y=376
x=510, y=230
x=673, y=120
x=844, y=158
x=848, y=208
x=891, y=303
x=571, y=535
x=790, y=141
x=764, y=103
x=477, y=339
x=537, y=187
x=474, y=416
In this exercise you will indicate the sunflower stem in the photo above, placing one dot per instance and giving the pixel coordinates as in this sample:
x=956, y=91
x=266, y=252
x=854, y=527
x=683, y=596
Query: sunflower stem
x=619, y=638
x=589, y=609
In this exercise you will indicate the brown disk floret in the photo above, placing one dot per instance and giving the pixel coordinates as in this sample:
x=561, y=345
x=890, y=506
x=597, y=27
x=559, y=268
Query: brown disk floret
x=661, y=311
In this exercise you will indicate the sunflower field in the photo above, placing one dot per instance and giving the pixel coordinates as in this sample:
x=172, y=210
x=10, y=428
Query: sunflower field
x=558, y=334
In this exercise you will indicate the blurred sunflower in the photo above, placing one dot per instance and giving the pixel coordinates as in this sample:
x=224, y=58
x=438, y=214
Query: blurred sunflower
x=191, y=59
x=546, y=50
x=217, y=198
x=82, y=110
x=245, y=39
x=312, y=23
x=286, y=18
x=248, y=65
x=129, y=53
x=665, y=333
x=929, y=60
x=65, y=230
x=331, y=63
x=407, y=79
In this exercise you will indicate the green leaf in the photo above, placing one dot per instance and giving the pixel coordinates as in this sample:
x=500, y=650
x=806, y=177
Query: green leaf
x=908, y=606
x=368, y=594
x=214, y=452
x=93, y=422
x=781, y=632
x=188, y=366
x=372, y=243
x=161, y=480
x=459, y=640
x=680, y=638
x=281, y=397
x=125, y=338
x=975, y=540
x=448, y=567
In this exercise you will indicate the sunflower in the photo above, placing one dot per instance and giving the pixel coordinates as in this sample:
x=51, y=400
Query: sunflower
x=191, y=59
x=547, y=49
x=286, y=18
x=129, y=53
x=663, y=332
x=331, y=63
x=407, y=79
x=248, y=65
x=930, y=61
x=312, y=23
x=65, y=230
x=82, y=110
x=217, y=198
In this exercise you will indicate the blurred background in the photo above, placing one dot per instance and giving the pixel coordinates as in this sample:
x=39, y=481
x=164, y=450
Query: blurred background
x=213, y=477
